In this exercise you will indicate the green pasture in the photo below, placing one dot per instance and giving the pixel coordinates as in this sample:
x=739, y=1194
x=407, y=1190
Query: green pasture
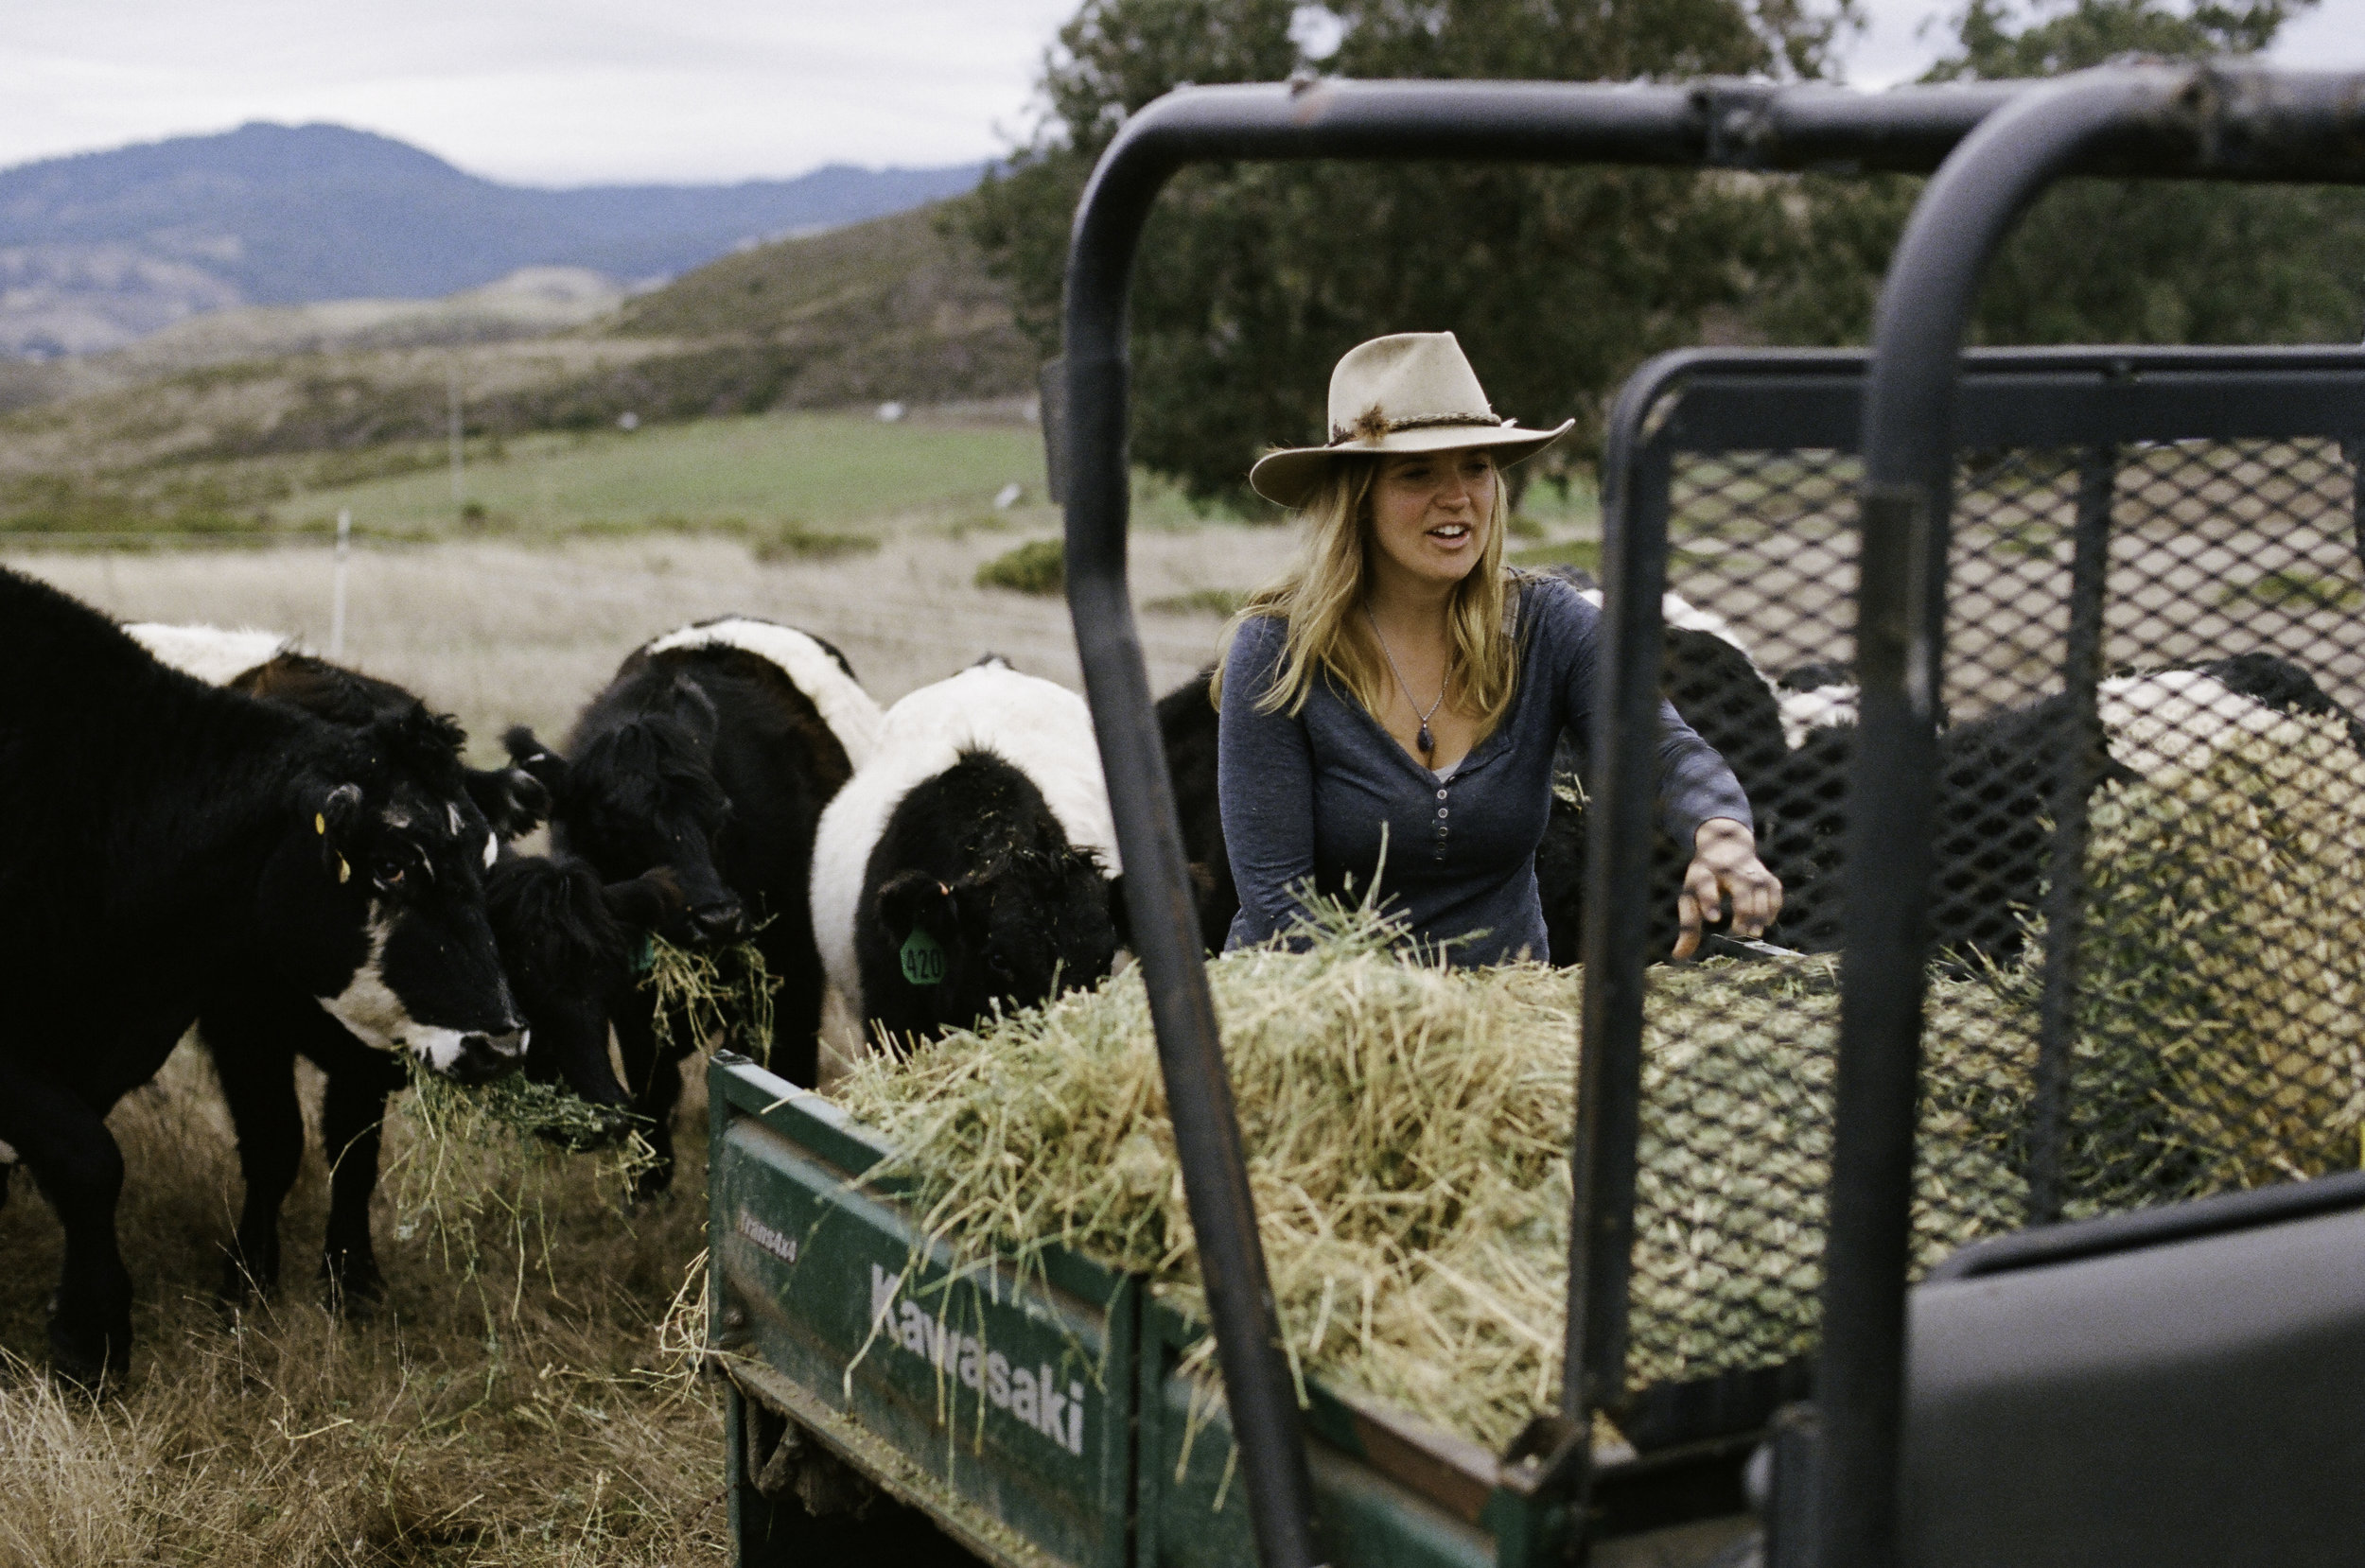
x=826, y=470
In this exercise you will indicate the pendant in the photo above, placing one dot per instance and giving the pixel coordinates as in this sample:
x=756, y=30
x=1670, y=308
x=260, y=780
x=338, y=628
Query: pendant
x=1428, y=741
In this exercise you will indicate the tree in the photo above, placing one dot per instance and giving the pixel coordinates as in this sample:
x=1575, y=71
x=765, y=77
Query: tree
x=2098, y=260
x=1254, y=278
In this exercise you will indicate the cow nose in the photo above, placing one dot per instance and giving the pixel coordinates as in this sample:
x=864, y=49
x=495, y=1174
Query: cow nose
x=485, y=1058
x=721, y=921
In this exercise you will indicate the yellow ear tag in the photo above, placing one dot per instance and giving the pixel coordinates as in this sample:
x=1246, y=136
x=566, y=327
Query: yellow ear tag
x=320, y=825
x=345, y=872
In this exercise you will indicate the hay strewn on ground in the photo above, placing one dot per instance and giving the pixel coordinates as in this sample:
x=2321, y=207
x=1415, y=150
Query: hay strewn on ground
x=1407, y=1130
x=519, y=1411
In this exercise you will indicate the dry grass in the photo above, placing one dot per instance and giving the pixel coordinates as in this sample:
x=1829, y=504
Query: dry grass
x=522, y=1412
x=506, y=634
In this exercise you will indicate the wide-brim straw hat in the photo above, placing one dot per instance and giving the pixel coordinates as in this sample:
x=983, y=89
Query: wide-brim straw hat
x=1411, y=391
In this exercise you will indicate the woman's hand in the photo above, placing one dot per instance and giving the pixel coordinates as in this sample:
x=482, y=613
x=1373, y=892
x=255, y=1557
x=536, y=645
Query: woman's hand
x=1724, y=864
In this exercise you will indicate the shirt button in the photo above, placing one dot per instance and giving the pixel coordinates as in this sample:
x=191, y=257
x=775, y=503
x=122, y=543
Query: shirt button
x=1441, y=811
x=1441, y=795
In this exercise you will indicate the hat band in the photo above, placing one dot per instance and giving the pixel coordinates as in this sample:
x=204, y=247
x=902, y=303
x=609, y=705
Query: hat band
x=1373, y=424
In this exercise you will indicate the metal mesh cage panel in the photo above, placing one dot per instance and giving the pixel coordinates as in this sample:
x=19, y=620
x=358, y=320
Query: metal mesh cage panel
x=2151, y=818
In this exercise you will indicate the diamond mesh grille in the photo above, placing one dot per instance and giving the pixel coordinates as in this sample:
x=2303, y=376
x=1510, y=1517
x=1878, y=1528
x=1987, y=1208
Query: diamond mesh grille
x=2147, y=886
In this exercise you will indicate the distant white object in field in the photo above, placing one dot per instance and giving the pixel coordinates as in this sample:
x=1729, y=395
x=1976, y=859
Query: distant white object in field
x=628, y=421
x=890, y=413
x=1007, y=496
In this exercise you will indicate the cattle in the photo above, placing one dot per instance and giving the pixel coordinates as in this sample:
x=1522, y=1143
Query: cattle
x=1999, y=782
x=711, y=755
x=157, y=834
x=255, y=1026
x=971, y=864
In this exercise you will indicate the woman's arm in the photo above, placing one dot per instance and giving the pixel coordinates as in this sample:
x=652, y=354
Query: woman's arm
x=1700, y=801
x=1264, y=788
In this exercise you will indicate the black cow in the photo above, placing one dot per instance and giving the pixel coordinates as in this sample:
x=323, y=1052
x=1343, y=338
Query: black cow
x=255, y=1025
x=1999, y=793
x=711, y=755
x=157, y=834
x=969, y=865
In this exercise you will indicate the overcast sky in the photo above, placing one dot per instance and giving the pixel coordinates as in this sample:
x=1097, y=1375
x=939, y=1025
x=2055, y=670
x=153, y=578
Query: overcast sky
x=576, y=91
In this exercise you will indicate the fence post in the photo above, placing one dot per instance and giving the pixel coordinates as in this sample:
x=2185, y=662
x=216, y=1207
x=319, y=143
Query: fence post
x=337, y=593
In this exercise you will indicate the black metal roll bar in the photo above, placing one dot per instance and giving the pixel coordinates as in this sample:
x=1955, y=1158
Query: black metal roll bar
x=1733, y=125
x=2217, y=121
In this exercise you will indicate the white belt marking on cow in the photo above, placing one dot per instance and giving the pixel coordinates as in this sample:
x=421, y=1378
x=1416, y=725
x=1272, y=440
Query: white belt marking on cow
x=850, y=712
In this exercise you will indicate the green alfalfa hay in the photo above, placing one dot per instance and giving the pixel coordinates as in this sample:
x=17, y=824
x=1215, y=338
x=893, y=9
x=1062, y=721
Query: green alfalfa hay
x=2221, y=1021
x=1407, y=1128
x=478, y=1163
x=711, y=1000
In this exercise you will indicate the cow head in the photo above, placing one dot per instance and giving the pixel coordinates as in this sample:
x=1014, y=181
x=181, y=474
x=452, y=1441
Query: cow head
x=372, y=900
x=571, y=947
x=1038, y=921
x=641, y=794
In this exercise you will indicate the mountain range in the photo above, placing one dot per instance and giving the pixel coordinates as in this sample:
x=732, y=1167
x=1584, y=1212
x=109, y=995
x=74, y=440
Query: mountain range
x=100, y=249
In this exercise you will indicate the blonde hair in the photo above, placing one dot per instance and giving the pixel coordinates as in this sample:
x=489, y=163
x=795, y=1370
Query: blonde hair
x=1321, y=597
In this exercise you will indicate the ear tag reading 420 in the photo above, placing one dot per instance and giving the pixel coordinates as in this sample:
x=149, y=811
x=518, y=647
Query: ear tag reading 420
x=923, y=961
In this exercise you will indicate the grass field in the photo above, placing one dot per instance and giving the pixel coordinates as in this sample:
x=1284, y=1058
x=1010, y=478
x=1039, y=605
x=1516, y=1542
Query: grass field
x=826, y=470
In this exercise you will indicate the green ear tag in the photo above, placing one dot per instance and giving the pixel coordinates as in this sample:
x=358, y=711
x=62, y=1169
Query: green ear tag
x=644, y=956
x=923, y=961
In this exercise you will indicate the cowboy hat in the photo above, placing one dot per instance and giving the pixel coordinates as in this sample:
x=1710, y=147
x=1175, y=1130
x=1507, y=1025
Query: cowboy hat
x=1413, y=391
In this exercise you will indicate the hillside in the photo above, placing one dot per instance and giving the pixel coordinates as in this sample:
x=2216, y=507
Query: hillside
x=899, y=309
x=100, y=249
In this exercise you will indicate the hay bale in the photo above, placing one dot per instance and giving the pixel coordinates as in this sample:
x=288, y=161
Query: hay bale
x=2223, y=1016
x=1408, y=1127
x=1735, y=1156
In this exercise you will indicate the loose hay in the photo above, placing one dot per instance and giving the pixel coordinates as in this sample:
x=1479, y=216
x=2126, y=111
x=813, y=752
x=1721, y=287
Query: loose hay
x=720, y=999
x=1407, y=1132
x=480, y=1156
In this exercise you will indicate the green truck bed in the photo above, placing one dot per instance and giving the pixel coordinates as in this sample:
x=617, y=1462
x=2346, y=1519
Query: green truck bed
x=1042, y=1422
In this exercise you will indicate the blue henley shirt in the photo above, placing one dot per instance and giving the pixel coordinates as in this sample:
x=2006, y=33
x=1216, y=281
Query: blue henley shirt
x=1305, y=797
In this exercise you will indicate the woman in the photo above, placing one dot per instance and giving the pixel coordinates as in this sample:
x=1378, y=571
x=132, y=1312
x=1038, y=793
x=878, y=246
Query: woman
x=1399, y=694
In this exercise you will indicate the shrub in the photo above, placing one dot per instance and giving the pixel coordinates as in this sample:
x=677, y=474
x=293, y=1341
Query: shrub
x=1037, y=566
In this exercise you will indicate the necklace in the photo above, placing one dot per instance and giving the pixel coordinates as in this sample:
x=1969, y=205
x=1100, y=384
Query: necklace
x=1428, y=741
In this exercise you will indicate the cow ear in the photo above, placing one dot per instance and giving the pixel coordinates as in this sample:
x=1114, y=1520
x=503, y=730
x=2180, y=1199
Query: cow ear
x=651, y=902
x=913, y=901
x=337, y=820
x=530, y=755
x=693, y=708
x=513, y=800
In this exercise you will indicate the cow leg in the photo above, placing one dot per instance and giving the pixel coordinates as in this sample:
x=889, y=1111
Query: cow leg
x=74, y=1159
x=259, y=1085
x=353, y=1119
x=797, y=1010
x=653, y=1078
